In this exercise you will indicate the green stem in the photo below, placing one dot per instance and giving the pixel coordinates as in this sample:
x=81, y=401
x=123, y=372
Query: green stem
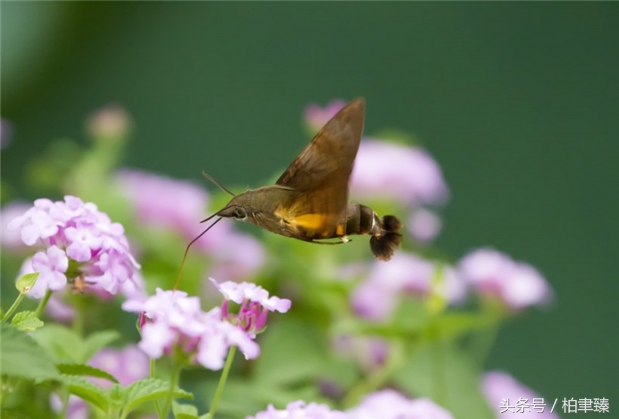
x=152, y=375
x=438, y=366
x=377, y=378
x=176, y=375
x=222, y=382
x=483, y=343
x=11, y=310
x=42, y=304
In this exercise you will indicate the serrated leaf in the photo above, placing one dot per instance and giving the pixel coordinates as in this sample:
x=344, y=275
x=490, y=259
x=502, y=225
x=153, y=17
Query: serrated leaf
x=148, y=390
x=96, y=341
x=86, y=390
x=184, y=411
x=22, y=356
x=85, y=370
x=63, y=344
x=26, y=321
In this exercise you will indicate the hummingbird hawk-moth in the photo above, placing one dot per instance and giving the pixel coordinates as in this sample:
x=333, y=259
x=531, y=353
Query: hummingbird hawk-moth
x=309, y=201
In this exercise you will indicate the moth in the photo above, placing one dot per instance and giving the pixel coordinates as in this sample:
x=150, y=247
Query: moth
x=309, y=201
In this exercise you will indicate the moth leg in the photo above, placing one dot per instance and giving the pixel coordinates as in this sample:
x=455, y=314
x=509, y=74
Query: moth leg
x=343, y=239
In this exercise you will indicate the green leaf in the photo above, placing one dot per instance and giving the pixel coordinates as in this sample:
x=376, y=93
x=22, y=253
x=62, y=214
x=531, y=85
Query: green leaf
x=88, y=391
x=21, y=356
x=85, y=370
x=148, y=390
x=26, y=321
x=63, y=344
x=454, y=325
x=281, y=349
x=443, y=373
x=97, y=341
x=25, y=282
x=66, y=346
x=184, y=411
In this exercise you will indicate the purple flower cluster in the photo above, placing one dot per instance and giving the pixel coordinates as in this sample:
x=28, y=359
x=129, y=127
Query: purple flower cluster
x=76, y=241
x=495, y=275
x=255, y=305
x=156, y=203
x=389, y=404
x=300, y=410
x=385, y=170
x=175, y=320
x=377, y=296
x=385, y=404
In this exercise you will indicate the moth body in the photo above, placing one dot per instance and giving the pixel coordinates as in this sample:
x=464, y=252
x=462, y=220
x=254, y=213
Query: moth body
x=310, y=199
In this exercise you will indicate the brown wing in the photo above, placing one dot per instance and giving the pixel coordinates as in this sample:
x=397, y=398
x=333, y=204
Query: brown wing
x=321, y=172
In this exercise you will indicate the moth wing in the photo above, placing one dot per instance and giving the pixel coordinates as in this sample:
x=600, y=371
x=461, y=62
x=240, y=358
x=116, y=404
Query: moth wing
x=320, y=174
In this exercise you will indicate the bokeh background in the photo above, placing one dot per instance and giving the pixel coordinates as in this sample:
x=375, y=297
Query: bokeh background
x=518, y=102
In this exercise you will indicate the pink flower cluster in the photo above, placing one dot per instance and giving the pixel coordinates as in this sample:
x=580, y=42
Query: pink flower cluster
x=495, y=275
x=377, y=296
x=255, y=305
x=76, y=241
x=385, y=404
x=176, y=321
x=300, y=410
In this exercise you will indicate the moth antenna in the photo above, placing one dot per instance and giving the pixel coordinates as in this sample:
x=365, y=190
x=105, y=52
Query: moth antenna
x=219, y=185
x=180, y=272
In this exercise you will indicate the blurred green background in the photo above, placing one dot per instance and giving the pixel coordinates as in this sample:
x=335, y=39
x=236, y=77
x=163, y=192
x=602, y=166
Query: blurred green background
x=518, y=102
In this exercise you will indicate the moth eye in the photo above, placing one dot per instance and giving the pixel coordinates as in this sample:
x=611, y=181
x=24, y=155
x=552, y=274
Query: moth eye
x=240, y=214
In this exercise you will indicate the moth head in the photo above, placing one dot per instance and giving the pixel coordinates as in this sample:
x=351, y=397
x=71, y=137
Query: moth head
x=235, y=209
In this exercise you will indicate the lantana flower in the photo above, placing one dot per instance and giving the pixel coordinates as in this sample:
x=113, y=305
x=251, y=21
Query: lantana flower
x=405, y=274
x=176, y=321
x=76, y=240
x=389, y=404
x=300, y=410
x=255, y=304
x=496, y=275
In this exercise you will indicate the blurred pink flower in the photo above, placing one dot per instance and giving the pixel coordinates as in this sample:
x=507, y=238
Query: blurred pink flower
x=377, y=296
x=179, y=205
x=424, y=225
x=317, y=116
x=11, y=239
x=368, y=351
x=77, y=408
x=300, y=410
x=160, y=201
x=386, y=170
x=127, y=365
x=503, y=391
x=494, y=274
x=389, y=404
